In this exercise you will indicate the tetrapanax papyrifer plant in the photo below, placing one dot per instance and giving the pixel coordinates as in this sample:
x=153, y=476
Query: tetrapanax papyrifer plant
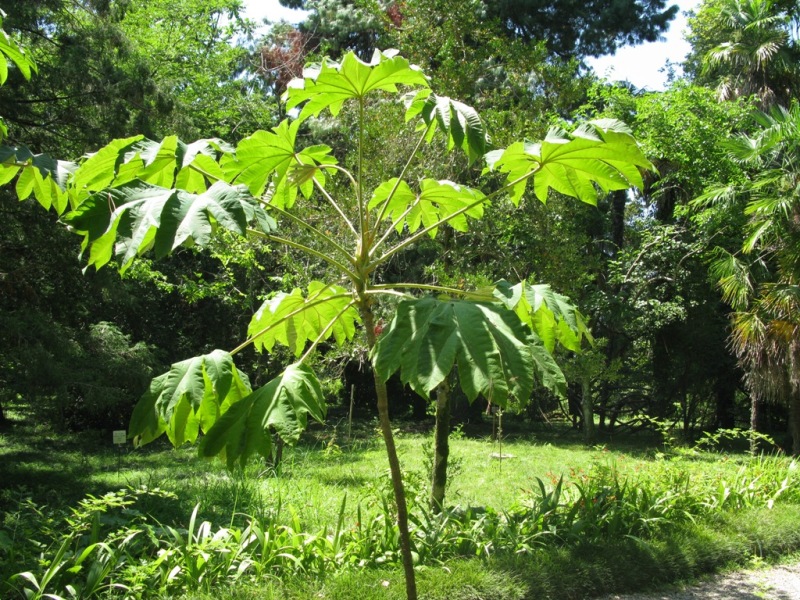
x=136, y=195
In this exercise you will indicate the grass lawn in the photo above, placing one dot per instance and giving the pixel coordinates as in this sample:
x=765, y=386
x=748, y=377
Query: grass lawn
x=514, y=529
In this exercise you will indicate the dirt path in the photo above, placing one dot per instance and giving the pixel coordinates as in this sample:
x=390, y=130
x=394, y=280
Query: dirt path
x=774, y=583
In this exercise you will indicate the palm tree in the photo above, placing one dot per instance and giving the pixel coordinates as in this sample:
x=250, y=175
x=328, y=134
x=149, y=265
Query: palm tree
x=762, y=283
x=759, y=56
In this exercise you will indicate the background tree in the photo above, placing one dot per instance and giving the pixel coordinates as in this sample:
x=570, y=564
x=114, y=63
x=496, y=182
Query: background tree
x=648, y=293
x=747, y=47
x=580, y=29
x=760, y=281
x=103, y=72
x=569, y=29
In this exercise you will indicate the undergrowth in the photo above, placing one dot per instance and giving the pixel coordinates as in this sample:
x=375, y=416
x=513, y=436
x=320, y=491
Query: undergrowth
x=659, y=515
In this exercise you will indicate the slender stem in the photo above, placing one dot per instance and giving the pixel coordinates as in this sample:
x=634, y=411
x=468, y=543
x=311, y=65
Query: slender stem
x=393, y=226
x=331, y=261
x=360, y=174
x=431, y=288
x=305, y=306
x=394, y=462
x=385, y=204
x=388, y=292
x=324, y=333
x=422, y=232
x=316, y=231
x=336, y=206
x=341, y=170
x=204, y=173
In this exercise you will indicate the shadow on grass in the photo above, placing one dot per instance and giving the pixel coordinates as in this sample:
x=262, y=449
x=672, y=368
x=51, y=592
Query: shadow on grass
x=53, y=468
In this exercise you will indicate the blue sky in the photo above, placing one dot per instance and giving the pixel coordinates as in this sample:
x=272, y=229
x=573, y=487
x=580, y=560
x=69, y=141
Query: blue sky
x=641, y=65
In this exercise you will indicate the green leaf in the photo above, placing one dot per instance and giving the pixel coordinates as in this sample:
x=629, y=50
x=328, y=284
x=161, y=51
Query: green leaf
x=169, y=163
x=397, y=202
x=427, y=337
x=40, y=175
x=437, y=200
x=199, y=167
x=283, y=404
x=160, y=160
x=550, y=315
x=331, y=84
x=292, y=319
x=601, y=154
x=129, y=220
x=261, y=156
x=99, y=169
x=449, y=198
x=460, y=123
x=189, y=398
x=9, y=49
x=549, y=373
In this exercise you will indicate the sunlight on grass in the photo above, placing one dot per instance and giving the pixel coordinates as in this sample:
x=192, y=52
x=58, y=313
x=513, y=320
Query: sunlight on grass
x=320, y=524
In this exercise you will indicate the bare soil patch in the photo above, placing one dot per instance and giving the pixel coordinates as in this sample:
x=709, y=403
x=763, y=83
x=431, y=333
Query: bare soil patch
x=773, y=583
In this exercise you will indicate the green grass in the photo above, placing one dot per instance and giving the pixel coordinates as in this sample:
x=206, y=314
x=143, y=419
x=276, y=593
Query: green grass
x=675, y=516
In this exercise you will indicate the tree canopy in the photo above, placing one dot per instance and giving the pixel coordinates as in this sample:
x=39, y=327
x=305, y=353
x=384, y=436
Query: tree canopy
x=581, y=29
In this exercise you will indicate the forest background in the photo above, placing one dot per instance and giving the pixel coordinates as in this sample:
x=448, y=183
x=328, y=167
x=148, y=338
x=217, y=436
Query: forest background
x=689, y=283
x=644, y=267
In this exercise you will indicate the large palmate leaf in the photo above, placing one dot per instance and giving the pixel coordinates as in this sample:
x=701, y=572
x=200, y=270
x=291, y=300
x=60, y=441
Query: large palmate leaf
x=189, y=398
x=169, y=163
x=600, y=154
x=284, y=405
x=490, y=345
x=460, y=123
x=261, y=155
x=199, y=167
x=546, y=369
x=129, y=220
x=99, y=170
x=40, y=175
x=269, y=158
x=293, y=319
x=437, y=200
x=551, y=315
x=331, y=84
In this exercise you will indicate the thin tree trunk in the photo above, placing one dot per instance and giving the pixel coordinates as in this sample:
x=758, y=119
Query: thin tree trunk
x=587, y=410
x=618, y=200
x=441, y=447
x=794, y=421
x=278, y=458
x=394, y=463
x=754, y=417
x=725, y=400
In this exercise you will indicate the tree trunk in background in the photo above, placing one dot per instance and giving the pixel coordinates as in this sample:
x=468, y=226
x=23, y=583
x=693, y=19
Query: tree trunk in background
x=754, y=420
x=278, y=458
x=441, y=446
x=725, y=399
x=614, y=348
x=618, y=200
x=794, y=421
x=587, y=410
